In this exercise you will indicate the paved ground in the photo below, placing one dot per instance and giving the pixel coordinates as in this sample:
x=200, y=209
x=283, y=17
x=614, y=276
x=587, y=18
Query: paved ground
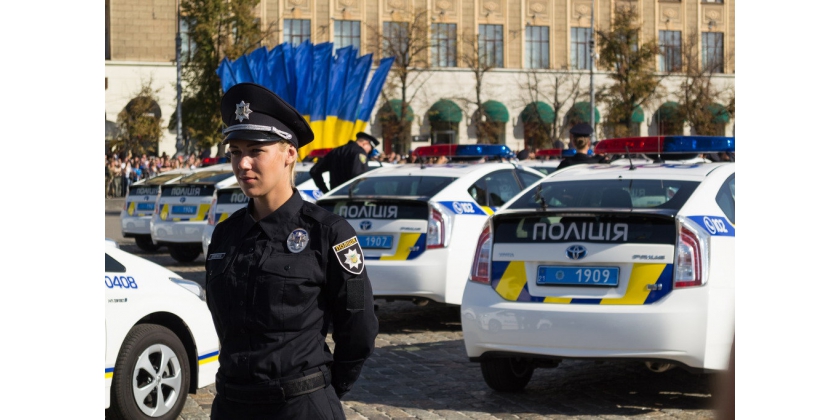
x=420, y=370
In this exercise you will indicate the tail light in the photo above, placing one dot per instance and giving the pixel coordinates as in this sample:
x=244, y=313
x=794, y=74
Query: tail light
x=439, y=228
x=691, y=263
x=211, y=218
x=480, y=272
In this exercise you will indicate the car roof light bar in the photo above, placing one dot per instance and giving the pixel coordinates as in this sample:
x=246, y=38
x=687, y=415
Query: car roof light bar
x=666, y=144
x=464, y=150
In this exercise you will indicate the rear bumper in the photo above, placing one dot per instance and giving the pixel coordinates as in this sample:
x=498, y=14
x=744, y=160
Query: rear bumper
x=676, y=328
x=177, y=232
x=135, y=226
x=422, y=277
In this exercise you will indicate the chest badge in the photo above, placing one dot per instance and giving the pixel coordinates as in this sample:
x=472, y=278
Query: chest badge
x=349, y=254
x=297, y=240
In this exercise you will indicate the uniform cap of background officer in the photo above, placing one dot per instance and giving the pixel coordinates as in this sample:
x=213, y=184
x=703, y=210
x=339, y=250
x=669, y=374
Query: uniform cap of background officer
x=252, y=112
x=581, y=130
x=365, y=136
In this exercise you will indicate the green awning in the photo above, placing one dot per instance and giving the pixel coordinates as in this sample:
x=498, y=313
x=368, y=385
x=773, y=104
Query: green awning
x=638, y=115
x=668, y=111
x=582, y=112
x=496, y=111
x=537, y=112
x=445, y=110
x=393, y=110
x=719, y=113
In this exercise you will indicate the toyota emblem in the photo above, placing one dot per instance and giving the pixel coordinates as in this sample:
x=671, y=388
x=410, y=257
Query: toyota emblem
x=576, y=252
x=365, y=225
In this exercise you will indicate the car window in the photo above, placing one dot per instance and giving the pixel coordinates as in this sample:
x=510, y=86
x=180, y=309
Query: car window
x=112, y=265
x=528, y=178
x=637, y=193
x=412, y=186
x=501, y=187
x=209, y=177
x=478, y=192
x=726, y=198
x=301, y=177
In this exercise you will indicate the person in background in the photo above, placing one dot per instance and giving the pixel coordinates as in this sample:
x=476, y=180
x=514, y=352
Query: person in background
x=580, y=139
x=344, y=163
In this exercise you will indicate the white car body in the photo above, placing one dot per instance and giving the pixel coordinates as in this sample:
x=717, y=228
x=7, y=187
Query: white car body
x=644, y=316
x=395, y=229
x=139, y=292
x=182, y=209
x=136, y=215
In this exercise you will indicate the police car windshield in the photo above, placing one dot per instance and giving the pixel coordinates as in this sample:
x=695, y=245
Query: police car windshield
x=301, y=177
x=630, y=193
x=206, y=177
x=411, y=186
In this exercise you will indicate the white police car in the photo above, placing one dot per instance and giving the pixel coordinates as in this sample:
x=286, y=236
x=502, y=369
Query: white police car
x=418, y=223
x=182, y=210
x=136, y=215
x=160, y=343
x=605, y=261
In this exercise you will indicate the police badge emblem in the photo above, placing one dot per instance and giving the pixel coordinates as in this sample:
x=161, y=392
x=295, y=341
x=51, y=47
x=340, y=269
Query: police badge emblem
x=297, y=240
x=349, y=254
x=242, y=111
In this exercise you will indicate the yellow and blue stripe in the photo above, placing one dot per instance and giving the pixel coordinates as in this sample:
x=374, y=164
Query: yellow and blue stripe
x=510, y=281
x=208, y=357
x=109, y=372
x=409, y=247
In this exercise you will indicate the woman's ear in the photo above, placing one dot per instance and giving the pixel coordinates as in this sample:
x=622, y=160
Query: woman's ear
x=292, y=156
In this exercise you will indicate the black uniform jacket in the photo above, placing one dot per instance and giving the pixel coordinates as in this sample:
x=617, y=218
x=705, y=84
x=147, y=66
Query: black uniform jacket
x=581, y=158
x=272, y=307
x=343, y=163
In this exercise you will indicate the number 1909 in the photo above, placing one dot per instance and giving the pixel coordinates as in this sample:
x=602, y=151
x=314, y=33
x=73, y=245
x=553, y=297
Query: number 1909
x=592, y=276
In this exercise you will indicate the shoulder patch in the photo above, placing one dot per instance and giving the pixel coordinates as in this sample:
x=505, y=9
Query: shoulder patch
x=349, y=254
x=363, y=157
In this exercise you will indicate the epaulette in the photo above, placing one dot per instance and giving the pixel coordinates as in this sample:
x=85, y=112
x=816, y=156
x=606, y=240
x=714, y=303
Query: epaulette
x=319, y=214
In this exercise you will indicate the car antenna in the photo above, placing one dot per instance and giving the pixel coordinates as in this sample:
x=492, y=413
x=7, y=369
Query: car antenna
x=627, y=149
x=538, y=196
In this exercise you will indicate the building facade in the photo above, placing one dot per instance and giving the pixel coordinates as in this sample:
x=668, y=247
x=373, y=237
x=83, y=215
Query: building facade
x=521, y=39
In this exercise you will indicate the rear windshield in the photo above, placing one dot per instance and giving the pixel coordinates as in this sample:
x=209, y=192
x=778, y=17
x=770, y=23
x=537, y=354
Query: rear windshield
x=301, y=177
x=638, y=193
x=161, y=179
x=232, y=196
x=206, y=177
x=143, y=189
x=411, y=186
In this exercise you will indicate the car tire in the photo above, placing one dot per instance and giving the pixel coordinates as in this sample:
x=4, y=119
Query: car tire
x=185, y=253
x=151, y=376
x=145, y=243
x=506, y=374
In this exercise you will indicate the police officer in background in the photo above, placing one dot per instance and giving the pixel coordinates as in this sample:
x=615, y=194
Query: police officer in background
x=580, y=140
x=280, y=273
x=344, y=163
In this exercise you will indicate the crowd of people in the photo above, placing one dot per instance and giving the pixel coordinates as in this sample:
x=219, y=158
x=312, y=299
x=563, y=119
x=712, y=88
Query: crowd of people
x=123, y=170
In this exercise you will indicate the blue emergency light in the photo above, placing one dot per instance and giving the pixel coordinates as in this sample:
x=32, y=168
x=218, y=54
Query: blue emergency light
x=465, y=150
x=666, y=144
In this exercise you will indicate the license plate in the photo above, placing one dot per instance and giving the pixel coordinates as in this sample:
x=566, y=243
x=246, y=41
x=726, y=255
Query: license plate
x=577, y=276
x=145, y=206
x=184, y=209
x=376, y=241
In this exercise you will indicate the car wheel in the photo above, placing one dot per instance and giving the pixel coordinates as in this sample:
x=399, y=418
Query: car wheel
x=145, y=243
x=494, y=326
x=151, y=376
x=506, y=374
x=185, y=253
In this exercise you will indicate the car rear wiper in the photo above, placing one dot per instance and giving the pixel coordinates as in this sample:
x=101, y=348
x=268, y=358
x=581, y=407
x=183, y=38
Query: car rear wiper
x=539, y=198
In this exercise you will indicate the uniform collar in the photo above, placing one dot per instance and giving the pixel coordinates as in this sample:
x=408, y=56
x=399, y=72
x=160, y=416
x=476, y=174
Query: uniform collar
x=276, y=223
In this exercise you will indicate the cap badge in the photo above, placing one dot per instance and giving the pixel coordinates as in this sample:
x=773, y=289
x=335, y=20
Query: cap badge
x=297, y=240
x=242, y=111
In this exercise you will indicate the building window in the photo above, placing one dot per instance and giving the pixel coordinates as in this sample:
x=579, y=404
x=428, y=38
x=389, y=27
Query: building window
x=491, y=45
x=444, y=51
x=670, y=42
x=580, y=48
x=536, y=47
x=713, y=51
x=395, y=38
x=295, y=31
x=348, y=32
x=187, y=44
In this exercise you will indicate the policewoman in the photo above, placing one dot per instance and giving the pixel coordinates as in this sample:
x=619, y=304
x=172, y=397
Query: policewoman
x=581, y=135
x=280, y=273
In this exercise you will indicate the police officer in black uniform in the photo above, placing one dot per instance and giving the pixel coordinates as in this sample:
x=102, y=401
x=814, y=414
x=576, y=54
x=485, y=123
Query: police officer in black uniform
x=580, y=140
x=280, y=273
x=344, y=163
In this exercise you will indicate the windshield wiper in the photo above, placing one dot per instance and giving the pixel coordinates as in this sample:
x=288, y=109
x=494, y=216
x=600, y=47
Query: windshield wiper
x=539, y=198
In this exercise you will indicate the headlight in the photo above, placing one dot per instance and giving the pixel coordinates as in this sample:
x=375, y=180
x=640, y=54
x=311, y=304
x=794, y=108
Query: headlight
x=190, y=285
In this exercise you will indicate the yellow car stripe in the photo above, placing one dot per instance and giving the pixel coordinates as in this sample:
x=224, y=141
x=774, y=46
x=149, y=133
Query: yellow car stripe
x=208, y=360
x=512, y=281
x=407, y=241
x=164, y=212
x=488, y=210
x=202, y=213
x=223, y=217
x=109, y=375
x=131, y=207
x=637, y=291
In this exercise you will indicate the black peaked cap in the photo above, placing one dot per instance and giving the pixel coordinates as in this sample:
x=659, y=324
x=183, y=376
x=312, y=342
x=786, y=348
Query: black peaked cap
x=365, y=136
x=582, y=130
x=253, y=112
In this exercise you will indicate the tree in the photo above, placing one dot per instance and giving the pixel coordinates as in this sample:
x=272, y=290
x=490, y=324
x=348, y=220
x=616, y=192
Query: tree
x=216, y=29
x=479, y=61
x=632, y=66
x=140, y=123
x=408, y=42
x=702, y=101
x=556, y=88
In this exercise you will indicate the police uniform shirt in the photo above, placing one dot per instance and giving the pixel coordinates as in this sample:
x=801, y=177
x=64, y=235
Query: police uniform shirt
x=274, y=286
x=579, y=159
x=343, y=163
